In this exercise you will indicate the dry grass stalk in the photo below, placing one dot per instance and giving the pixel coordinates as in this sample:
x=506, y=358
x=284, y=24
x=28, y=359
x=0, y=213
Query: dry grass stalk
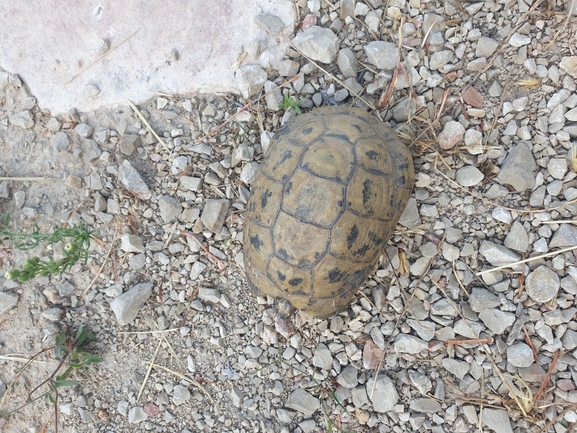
x=152, y=131
x=546, y=378
x=26, y=179
x=530, y=259
x=101, y=57
x=530, y=344
x=103, y=264
x=571, y=5
x=188, y=379
x=220, y=263
x=487, y=340
x=147, y=375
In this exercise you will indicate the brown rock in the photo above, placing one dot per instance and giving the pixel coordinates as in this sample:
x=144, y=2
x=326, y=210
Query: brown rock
x=372, y=355
x=472, y=97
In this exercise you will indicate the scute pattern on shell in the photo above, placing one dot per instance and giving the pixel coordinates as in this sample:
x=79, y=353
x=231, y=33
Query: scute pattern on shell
x=324, y=203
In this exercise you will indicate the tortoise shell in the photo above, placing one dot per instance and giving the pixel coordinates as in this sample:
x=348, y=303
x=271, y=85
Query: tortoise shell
x=325, y=202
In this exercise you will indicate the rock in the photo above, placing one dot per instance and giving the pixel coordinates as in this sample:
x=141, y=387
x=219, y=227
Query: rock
x=517, y=40
x=137, y=261
x=288, y=68
x=542, y=284
x=303, y=402
x=131, y=243
x=270, y=23
x=203, y=148
x=372, y=355
x=84, y=130
x=405, y=343
x=472, y=97
x=384, y=55
x=347, y=62
x=569, y=339
x=136, y=415
x=348, y=377
x=469, y=176
x=383, y=394
x=127, y=305
x=497, y=255
x=61, y=141
x=486, y=47
x=323, y=358
x=425, y=405
x=90, y=150
x=128, y=143
x=248, y=172
x=439, y=59
x=569, y=65
x=23, y=119
x=214, y=213
x=481, y=300
x=520, y=355
x=497, y=420
x=250, y=79
x=7, y=301
x=236, y=396
x=196, y=270
x=318, y=43
x=210, y=295
x=451, y=134
x=410, y=217
x=180, y=395
x=131, y=180
x=565, y=236
x=420, y=381
x=169, y=207
x=191, y=183
x=273, y=100
x=458, y=368
x=496, y=320
x=517, y=239
x=4, y=189
x=53, y=314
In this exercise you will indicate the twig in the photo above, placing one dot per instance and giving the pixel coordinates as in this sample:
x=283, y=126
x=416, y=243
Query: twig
x=546, y=378
x=101, y=267
x=100, y=58
x=150, y=364
x=221, y=264
x=487, y=340
x=530, y=343
x=530, y=259
x=26, y=179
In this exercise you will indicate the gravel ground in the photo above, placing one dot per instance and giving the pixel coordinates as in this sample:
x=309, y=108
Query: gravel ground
x=485, y=95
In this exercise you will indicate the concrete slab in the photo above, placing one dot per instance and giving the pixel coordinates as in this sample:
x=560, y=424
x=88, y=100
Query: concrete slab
x=179, y=46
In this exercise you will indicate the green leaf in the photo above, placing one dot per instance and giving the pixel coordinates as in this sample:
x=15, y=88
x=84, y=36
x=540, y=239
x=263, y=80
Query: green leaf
x=92, y=359
x=60, y=383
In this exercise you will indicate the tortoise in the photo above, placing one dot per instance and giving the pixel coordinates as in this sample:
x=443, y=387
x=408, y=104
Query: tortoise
x=325, y=202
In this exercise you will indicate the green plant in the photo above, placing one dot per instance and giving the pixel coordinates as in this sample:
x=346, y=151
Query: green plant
x=74, y=250
x=71, y=350
x=290, y=102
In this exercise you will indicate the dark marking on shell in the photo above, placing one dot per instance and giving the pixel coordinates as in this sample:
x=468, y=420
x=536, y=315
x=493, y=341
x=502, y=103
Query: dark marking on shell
x=295, y=281
x=352, y=237
x=256, y=242
x=281, y=276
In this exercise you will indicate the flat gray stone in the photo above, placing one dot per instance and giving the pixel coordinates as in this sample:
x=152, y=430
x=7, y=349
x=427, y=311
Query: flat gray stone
x=565, y=236
x=517, y=169
x=439, y=59
x=410, y=217
x=382, y=394
x=496, y=320
x=131, y=243
x=270, y=23
x=214, y=213
x=303, y=402
x=348, y=377
x=127, y=305
x=90, y=150
x=136, y=415
x=170, y=208
x=191, y=183
x=458, y=368
x=498, y=255
x=84, y=130
x=7, y=301
x=23, y=119
x=128, y=143
x=318, y=43
x=61, y=141
x=323, y=357
x=497, y=420
x=469, y=176
x=405, y=343
x=250, y=80
x=452, y=133
x=517, y=239
x=210, y=295
x=348, y=64
x=425, y=405
x=542, y=284
x=180, y=394
x=486, y=47
x=520, y=355
x=420, y=381
x=131, y=180
x=481, y=299
x=384, y=55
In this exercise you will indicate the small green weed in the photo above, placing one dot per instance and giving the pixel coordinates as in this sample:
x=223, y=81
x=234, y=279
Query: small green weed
x=71, y=350
x=289, y=103
x=76, y=249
